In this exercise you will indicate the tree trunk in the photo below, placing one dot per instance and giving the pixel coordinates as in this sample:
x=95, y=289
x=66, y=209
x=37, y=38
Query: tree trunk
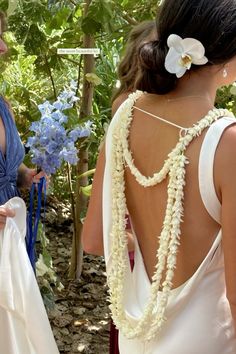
x=81, y=200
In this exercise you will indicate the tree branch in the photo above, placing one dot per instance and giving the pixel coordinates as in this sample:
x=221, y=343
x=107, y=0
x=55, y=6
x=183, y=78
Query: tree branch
x=130, y=20
x=69, y=178
x=70, y=60
x=73, y=2
x=51, y=77
x=79, y=74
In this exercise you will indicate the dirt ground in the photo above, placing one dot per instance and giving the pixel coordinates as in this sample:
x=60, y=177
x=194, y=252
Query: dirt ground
x=80, y=319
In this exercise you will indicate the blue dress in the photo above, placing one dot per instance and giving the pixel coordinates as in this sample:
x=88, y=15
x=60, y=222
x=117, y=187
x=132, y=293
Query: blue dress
x=10, y=162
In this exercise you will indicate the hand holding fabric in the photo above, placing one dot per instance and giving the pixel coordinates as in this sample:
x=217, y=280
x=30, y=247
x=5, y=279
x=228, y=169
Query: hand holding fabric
x=4, y=213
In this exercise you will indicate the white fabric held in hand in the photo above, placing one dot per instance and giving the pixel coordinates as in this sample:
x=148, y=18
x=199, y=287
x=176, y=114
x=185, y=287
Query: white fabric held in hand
x=24, y=325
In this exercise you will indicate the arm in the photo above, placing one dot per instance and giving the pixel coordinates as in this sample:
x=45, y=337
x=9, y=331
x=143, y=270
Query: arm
x=225, y=174
x=26, y=176
x=92, y=234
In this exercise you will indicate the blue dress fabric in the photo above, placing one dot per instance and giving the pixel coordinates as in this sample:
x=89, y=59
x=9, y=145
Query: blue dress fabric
x=10, y=162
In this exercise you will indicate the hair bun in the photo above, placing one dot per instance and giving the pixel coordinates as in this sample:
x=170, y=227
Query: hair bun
x=147, y=55
x=153, y=77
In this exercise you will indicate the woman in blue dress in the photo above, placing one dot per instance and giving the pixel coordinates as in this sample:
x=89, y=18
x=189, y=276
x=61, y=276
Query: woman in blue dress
x=13, y=172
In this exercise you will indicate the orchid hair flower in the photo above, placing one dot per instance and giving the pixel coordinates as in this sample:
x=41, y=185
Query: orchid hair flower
x=182, y=54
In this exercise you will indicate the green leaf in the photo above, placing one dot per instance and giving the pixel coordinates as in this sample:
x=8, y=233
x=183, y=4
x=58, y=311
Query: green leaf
x=86, y=190
x=4, y=5
x=48, y=297
x=99, y=17
x=35, y=41
x=88, y=173
x=12, y=6
x=90, y=25
x=59, y=19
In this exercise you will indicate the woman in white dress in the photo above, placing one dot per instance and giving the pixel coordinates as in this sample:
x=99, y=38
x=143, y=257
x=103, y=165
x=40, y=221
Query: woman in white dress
x=169, y=161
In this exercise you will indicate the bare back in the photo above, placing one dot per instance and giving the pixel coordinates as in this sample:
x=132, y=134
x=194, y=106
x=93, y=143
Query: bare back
x=151, y=141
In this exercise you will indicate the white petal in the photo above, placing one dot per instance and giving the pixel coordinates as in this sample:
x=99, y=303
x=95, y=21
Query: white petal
x=172, y=61
x=175, y=41
x=181, y=72
x=193, y=47
x=200, y=61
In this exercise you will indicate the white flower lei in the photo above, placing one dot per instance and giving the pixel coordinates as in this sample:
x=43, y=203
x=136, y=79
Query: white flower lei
x=153, y=316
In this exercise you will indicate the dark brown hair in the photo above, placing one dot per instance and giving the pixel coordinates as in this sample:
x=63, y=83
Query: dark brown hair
x=213, y=22
x=127, y=69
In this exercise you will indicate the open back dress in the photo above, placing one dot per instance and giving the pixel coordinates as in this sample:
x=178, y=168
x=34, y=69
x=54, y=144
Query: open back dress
x=198, y=314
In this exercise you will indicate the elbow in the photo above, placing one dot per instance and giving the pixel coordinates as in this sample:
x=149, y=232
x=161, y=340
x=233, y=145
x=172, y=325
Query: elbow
x=92, y=236
x=92, y=249
x=91, y=245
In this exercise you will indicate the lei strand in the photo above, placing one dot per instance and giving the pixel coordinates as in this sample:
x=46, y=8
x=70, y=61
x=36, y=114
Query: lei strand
x=153, y=316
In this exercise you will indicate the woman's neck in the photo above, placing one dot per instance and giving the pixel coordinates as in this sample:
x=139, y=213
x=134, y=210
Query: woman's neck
x=194, y=86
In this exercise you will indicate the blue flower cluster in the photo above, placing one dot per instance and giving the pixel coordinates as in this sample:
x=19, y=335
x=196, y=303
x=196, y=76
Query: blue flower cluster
x=52, y=143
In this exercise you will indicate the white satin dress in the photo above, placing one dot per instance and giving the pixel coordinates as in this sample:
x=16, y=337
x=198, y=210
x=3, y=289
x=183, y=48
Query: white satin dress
x=198, y=315
x=24, y=325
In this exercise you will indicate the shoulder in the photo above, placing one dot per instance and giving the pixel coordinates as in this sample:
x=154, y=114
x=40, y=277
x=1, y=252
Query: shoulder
x=228, y=139
x=118, y=101
x=225, y=159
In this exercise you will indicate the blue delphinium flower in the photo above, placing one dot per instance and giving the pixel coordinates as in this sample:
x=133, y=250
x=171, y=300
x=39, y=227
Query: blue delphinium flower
x=81, y=131
x=86, y=129
x=52, y=143
x=46, y=107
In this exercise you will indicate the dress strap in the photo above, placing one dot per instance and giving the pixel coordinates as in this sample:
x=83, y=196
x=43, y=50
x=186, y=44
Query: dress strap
x=161, y=119
x=206, y=166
